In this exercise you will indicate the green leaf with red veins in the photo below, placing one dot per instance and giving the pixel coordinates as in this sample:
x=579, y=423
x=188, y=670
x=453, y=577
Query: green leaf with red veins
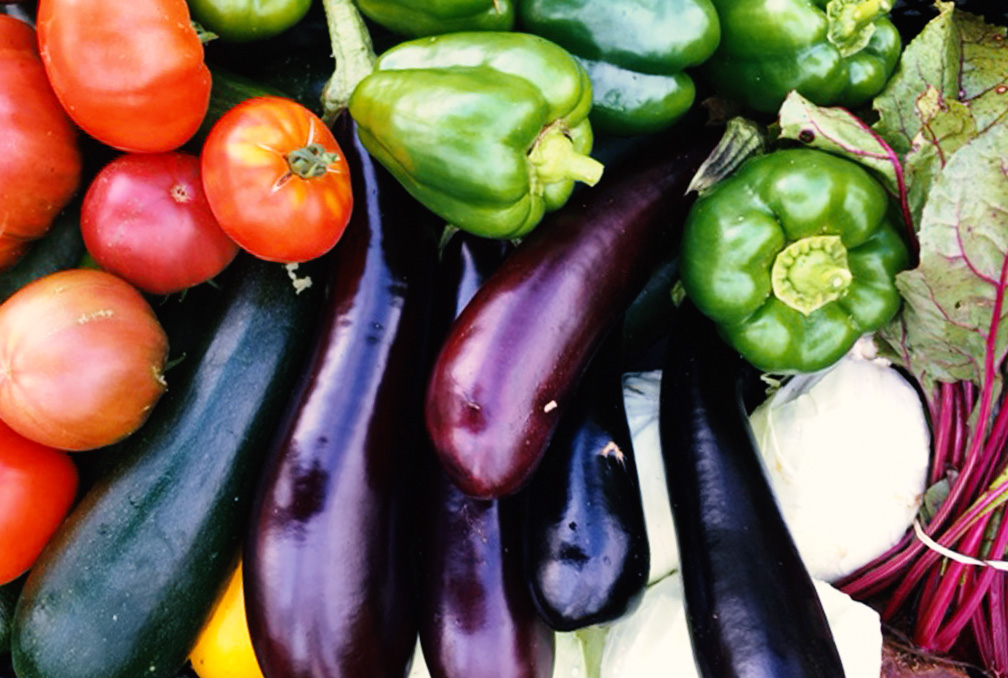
x=953, y=325
x=946, y=126
x=839, y=131
x=962, y=57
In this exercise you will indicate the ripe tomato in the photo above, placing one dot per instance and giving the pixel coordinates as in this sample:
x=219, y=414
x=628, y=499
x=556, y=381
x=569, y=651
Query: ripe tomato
x=81, y=359
x=145, y=218
x=276, y=180
x=37, y=487
x=41, y=165
x=129, y=72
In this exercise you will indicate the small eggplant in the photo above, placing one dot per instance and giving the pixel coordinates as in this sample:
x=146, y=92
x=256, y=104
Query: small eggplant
x=751, y=607
x=512, y=359
x=586, y=548
x=476, y=617
x=328, y=560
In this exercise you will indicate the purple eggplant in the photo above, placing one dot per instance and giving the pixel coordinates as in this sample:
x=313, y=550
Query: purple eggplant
x=585, y=543
x=751, y=607
x=511, y=361
x=328, y=559
x=477, y=619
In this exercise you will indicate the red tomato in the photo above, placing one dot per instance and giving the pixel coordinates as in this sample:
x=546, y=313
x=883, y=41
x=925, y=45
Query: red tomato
x=129, y=72
x=41, y=166
x=145, y=218
x=276, y=180
x=81, y=359
x=37, y=488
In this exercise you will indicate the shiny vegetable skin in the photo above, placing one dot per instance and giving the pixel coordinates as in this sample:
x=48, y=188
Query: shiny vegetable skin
x=511, y=361
x=794, y=256
x=487, y=129
x=841, y=56
x=415, y=18
x=585, y=544
x=476, y=616
x=635, y=53
x=328, y=581
x=126, y=582
x=750, y=603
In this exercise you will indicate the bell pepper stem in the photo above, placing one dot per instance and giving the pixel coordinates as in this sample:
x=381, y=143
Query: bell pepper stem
x=554, y=158
x=851, y=22
x=354, y=54
x=811, y=272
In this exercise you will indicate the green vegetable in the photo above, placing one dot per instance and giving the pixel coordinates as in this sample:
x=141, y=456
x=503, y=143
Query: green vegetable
x=635, y=52
x=489, y=130
x=794, y=257
x=416, y=18
x=831, y=51
x=126, y=582
x=245, y=20
x=8, y=599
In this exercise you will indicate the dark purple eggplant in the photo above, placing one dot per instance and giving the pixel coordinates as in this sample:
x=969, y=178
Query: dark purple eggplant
x=511, y=361
x=328, y=559
x=585, y=543
x=476, y=616
x=751, y=607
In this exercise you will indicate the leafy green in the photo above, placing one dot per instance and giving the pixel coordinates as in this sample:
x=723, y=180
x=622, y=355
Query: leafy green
x=960, y=56
x=839, y=131
x=953, y=318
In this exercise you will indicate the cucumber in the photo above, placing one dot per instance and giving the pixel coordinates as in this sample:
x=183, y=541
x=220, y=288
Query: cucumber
x=125, y=584
x=62, y=247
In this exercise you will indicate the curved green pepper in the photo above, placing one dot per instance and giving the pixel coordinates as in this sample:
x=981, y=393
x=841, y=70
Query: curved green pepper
x=417, y=18
x=794, y=257
x=246, y=20
x=635, y=53
x=489, y=130
x=838, y=52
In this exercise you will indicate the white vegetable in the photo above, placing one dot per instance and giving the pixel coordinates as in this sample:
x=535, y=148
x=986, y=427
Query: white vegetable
x=846, y=453
x=640, y=397
x=653, y=641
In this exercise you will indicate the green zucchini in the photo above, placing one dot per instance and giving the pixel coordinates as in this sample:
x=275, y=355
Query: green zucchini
x=122, y=589
x=8, y=597
x=62, y=247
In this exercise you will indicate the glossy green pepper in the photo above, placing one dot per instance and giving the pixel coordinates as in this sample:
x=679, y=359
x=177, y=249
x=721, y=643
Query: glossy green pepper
x=417, y=18
x=833, y=52
x=794, y=257
x=247, y=20
x=635, y=53
x=489, y=130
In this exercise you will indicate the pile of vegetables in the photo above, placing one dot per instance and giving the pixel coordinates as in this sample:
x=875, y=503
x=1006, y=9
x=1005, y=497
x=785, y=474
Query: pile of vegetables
x=504, y=338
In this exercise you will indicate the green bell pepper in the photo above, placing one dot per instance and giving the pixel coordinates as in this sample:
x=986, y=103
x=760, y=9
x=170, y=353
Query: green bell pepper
x=417, y=18
x=833, y=52
x=635, y=53
x=247, y=20
x=794, y=256
x=489, y=130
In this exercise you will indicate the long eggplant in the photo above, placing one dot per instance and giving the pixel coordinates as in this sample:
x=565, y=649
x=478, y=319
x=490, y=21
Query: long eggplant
x=750, y=604
x=585, y=543
x=328, y=578
x=476, y=616
x=511, y=361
